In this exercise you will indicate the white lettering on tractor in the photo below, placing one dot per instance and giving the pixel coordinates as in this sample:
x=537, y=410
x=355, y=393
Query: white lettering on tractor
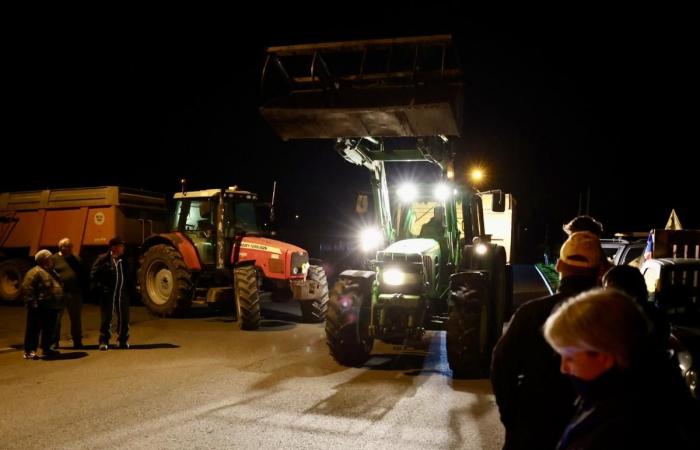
x=261, y=247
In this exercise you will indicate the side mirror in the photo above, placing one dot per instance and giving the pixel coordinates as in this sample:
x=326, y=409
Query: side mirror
x=361, y=204
x=499, y=201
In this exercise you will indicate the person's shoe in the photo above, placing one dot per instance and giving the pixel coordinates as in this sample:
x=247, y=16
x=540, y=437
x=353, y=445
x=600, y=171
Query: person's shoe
x=104, y=347
x=124, y=345
x=50, y=353
x=30, y=355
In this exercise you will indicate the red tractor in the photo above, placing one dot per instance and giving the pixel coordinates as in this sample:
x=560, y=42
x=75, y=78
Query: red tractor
x=216, y=250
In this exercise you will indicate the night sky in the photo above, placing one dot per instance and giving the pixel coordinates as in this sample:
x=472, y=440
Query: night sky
x=557, y=102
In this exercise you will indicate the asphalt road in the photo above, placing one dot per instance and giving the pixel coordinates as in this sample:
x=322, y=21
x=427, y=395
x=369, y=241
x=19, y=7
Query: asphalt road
x=200, y=382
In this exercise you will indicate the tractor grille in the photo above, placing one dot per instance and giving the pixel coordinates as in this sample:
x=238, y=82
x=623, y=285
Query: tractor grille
x=298, y=260
x=399, y=257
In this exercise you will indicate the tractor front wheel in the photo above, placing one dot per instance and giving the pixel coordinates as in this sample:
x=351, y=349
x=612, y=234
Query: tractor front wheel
x=314, y=311
x=247, y=297
x=347, y=324
x=468, y=337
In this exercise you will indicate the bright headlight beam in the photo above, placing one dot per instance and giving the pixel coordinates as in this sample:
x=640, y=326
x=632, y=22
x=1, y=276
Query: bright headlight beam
x=370, y=239
x=394, y=277
x=481, y=249
x=407, y=192
x=441, y=192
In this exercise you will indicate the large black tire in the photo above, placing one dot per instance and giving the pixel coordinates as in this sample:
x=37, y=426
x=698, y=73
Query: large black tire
x=247, y=297
x=12, y=273
x=347, y=324
x=314, y=311
x=166, y=283
x=469, y=338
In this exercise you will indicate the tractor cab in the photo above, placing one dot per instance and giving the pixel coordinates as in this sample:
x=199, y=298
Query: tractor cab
x=203, y=217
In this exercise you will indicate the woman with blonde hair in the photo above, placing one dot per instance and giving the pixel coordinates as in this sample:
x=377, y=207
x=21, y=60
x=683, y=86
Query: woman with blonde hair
x=630, y=395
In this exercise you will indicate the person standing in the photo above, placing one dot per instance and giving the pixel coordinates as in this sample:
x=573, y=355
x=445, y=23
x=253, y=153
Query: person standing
x=630, y=395
x=43, y=295
x=108, y=278
x=535, y=400
x=70, y=270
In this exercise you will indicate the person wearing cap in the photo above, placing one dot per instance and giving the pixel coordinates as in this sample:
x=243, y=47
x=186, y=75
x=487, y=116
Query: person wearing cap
x=73, y=275
x=588, y=223
x=43, y=295
x=109, y=281
x=534, y=399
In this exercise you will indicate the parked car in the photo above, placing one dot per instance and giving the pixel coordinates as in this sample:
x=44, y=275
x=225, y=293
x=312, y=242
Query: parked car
x=674, y=287
x=624, y=249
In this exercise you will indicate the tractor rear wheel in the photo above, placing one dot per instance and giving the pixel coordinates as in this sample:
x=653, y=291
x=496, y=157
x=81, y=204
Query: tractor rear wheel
x=468, y=333
x=347, y=324
x=247, y=297
x=314, y=311
x=165, y=280
x=12, y=273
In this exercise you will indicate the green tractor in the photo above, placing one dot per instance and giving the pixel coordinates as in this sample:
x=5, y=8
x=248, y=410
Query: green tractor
x=435, y=268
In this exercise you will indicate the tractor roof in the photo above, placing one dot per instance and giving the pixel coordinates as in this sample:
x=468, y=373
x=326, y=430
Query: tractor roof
x=232, y=191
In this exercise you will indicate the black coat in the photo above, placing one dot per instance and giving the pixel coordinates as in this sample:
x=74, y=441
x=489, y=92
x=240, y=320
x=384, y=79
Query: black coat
x=646, y=406
x=534, y=398
x=103, y=278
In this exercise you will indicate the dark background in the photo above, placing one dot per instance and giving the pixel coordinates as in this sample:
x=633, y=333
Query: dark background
x=558, y=102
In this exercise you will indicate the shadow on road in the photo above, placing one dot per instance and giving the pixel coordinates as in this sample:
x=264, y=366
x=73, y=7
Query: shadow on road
x=65, y=356
x=136, y=346
x=276, y=325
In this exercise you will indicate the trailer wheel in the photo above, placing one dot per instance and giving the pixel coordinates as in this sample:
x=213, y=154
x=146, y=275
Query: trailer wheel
x=468, y=333
x=314, y=311
x=347, y=324
x=247, y=297
x=12, y=273
x=166, y=283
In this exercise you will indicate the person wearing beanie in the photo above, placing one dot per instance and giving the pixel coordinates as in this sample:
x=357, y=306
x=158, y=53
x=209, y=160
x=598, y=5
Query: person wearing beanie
x=535, y=400
x=109, y=280
x=43, y=295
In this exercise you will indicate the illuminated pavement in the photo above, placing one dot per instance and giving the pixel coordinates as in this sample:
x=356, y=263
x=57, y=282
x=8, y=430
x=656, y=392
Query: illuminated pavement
x=200, y=382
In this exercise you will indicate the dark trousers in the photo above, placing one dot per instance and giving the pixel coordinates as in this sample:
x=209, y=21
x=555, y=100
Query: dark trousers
x=74, y=304
x=40, y=320
x=114, y=305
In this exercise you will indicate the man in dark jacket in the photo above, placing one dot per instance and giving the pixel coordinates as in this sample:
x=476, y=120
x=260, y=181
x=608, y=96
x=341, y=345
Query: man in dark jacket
x=108, y=278
x=534, y=399
x=73, y=275
x=43, y=295
x=435, y=227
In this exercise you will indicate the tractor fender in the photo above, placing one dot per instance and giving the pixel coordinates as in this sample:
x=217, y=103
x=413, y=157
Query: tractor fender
x=181, y=243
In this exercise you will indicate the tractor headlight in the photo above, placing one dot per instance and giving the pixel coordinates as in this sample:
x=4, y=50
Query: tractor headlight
x=295, y=270
x=370, y=239
x=394, y=276
x=407, y=192
x=481, y=249
x=691, y=379
x=441, y=192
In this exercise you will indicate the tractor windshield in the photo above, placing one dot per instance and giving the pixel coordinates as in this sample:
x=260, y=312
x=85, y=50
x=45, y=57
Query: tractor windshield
x=420, y=211
x=195, y=214
x=199, y=215
x=243, y=218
